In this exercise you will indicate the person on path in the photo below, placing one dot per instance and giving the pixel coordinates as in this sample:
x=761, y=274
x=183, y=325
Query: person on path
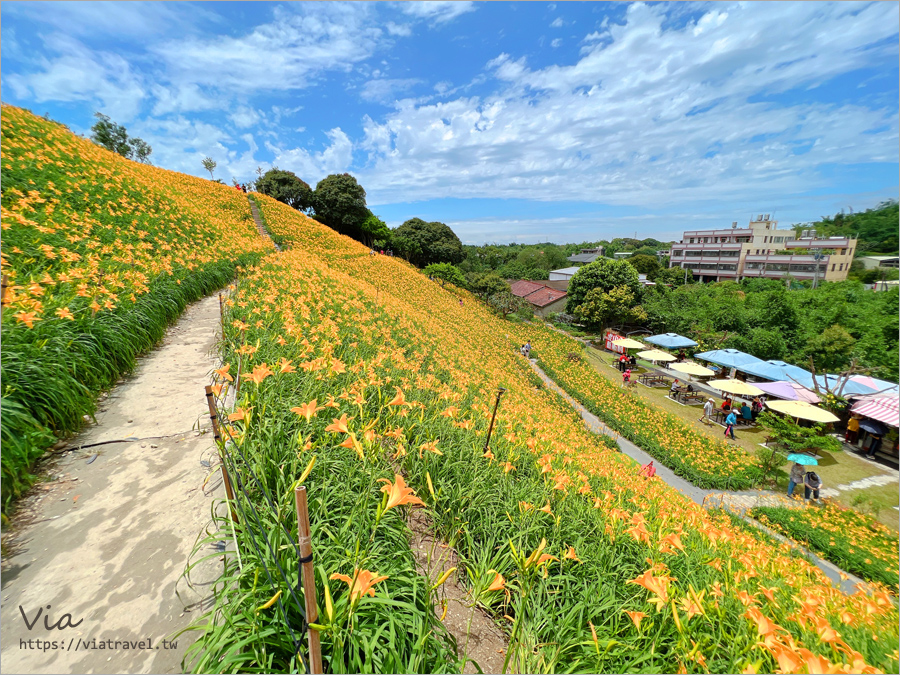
x=626, y=377
x=707, y=412
x=875, y=447
x=755, y=408
x=730, y=421
x=528, y=349
x=812, y=485
x=852, y=430
x=648, y=470
x=796, y=477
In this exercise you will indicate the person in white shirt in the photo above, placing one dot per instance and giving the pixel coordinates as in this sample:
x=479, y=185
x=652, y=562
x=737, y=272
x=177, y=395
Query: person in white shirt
x=707, y=412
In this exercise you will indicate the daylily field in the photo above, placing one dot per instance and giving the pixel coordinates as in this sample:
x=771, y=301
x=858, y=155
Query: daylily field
x=374, y=388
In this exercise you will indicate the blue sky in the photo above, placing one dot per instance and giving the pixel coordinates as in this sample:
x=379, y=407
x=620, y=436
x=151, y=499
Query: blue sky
x=524, y=122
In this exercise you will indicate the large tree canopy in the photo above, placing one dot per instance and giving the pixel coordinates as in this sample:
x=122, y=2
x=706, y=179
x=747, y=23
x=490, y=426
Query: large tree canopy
x=436, y=242
x=340, y=203
x=604, y=274
x=286, y=187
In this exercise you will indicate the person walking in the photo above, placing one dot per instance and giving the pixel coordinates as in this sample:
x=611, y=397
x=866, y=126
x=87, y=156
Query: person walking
x=730, y=421
x=707, y=412
x=852, y=429
x=528, y=349
x=795, y=478
x=811, y=485
x=626, y=378
x=755, y=408
x=875, y=447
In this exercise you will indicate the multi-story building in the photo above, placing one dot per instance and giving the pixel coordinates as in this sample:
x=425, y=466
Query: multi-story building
x=762, y=250
x=587, y=255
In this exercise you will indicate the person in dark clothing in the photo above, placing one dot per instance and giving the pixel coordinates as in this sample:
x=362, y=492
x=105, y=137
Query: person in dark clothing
x=812, y=483
x=875, y=447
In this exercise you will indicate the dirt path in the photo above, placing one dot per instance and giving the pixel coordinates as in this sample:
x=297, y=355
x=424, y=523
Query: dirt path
x=106, y=540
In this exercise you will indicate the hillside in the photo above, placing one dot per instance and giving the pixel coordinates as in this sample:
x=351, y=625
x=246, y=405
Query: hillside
x=375, y=388
x=876, y=228
x=358, y=368
x=100, y=254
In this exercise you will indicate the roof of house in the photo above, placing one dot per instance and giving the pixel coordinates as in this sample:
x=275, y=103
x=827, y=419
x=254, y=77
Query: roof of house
x=545, y=296
x=584, y=257
x=558, y=284
x=523, y=288
x=566, y=270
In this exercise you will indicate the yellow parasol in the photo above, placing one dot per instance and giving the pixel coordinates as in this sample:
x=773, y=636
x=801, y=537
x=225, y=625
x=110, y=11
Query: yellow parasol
x=736, y=387
x=628, y=343
x=692, y=369
x=656, y=355
x=803, y=410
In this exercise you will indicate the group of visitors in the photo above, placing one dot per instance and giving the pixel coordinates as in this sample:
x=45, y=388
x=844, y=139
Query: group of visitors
x=626, y=361
x=525, y=349
x=810, y=481
x=241, y=186
x=389, y=252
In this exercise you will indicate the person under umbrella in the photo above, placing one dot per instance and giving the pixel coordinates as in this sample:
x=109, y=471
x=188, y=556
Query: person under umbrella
x=796, y=478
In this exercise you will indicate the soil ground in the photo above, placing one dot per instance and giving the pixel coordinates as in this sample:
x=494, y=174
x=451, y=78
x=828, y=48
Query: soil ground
x=105, y=538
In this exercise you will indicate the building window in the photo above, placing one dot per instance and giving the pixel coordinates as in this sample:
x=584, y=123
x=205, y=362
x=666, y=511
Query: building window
x=832, y=267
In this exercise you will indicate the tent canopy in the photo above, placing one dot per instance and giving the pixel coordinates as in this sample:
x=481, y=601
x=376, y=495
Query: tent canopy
x=693, y=369
x=774, y=370
x=882, y=408
x=832, y=383
x=628, y=343
x=803, y=410
x=735, y=387
x=730, y=358
x=876, y=384
x=656, y=355
x=788, y=391
x=670, y=341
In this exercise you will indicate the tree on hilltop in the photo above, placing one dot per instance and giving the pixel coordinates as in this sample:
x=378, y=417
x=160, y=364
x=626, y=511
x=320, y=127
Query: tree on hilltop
x=287, y=188
x=210, y=165
x=114, y=137
x=436, y=242
x=340, y=203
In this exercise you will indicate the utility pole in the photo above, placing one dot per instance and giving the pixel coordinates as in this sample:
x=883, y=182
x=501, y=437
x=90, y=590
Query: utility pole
x=817, y=256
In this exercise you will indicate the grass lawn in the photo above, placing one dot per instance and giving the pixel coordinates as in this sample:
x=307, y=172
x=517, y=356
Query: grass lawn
x=834, y=468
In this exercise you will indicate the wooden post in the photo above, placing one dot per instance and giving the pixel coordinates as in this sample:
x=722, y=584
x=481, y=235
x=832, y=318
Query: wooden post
x=309, y=579
x=222, y=315
x=214, y=417
x=4, y=284
x=500, y=391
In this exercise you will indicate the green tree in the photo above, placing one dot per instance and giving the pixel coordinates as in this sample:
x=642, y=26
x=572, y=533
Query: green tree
x=447, y=272
x=486, y=284
x=210, y=165
x=287, y=188
x=831, y=350
x=341, y=202
x=763, y=343
x=114, y=137
x=436, y=242
x=674, y=276
x=374, y=229
x=616, y=306
x=645, y=264
x=604, y=274
x=141, y=151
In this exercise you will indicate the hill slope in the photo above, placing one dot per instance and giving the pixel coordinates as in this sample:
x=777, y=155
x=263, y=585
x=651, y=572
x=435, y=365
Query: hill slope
x=100, y=254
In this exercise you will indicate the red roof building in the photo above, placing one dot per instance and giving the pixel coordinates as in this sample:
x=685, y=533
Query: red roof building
x=544, y=299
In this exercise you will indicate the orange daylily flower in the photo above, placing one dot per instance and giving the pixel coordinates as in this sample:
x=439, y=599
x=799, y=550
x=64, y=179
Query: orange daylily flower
x=431, y=446
x=361, y=584
x=339, y=425
x=570, y=554
x=398, y=493
x=498, y=584
x=636, y=618
x=399, y=399
x=352, y=443
x=307, y=410
x=28, y=318
x=65, y=313
x=238, y=415
x=285, y=366
x=223, y=372
x=507, y=467
x=259, y=374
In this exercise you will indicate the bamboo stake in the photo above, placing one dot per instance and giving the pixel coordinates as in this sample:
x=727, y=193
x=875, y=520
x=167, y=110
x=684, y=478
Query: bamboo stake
x=222, y=315
x=5, y=283
x=309, y=580
x=214, y=416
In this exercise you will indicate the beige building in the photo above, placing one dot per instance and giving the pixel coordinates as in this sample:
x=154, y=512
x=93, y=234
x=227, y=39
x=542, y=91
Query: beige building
x=762, y=250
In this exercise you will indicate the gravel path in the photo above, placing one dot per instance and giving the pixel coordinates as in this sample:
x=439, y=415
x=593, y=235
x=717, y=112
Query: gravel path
x=106, y=539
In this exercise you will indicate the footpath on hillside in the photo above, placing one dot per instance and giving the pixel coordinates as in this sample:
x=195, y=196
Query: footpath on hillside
x=106, y=539
x=737, y=502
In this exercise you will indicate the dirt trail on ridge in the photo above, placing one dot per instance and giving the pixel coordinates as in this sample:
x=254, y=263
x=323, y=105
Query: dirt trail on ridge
x=106, y=540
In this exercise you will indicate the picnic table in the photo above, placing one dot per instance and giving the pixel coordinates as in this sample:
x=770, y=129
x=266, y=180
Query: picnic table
x=688, y=397
x=652, y=379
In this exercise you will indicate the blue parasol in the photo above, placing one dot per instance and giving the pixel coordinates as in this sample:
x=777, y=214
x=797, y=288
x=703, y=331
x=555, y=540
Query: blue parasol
x=803, y=460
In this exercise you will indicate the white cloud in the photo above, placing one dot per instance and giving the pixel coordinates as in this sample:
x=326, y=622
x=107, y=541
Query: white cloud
x=652, y=115
x=556, y=43
x=557, y=22
x=245, y=117
x=314, y=166
x=386, y=90
x=400, y=30
x=434, y=11
x=76, y=73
